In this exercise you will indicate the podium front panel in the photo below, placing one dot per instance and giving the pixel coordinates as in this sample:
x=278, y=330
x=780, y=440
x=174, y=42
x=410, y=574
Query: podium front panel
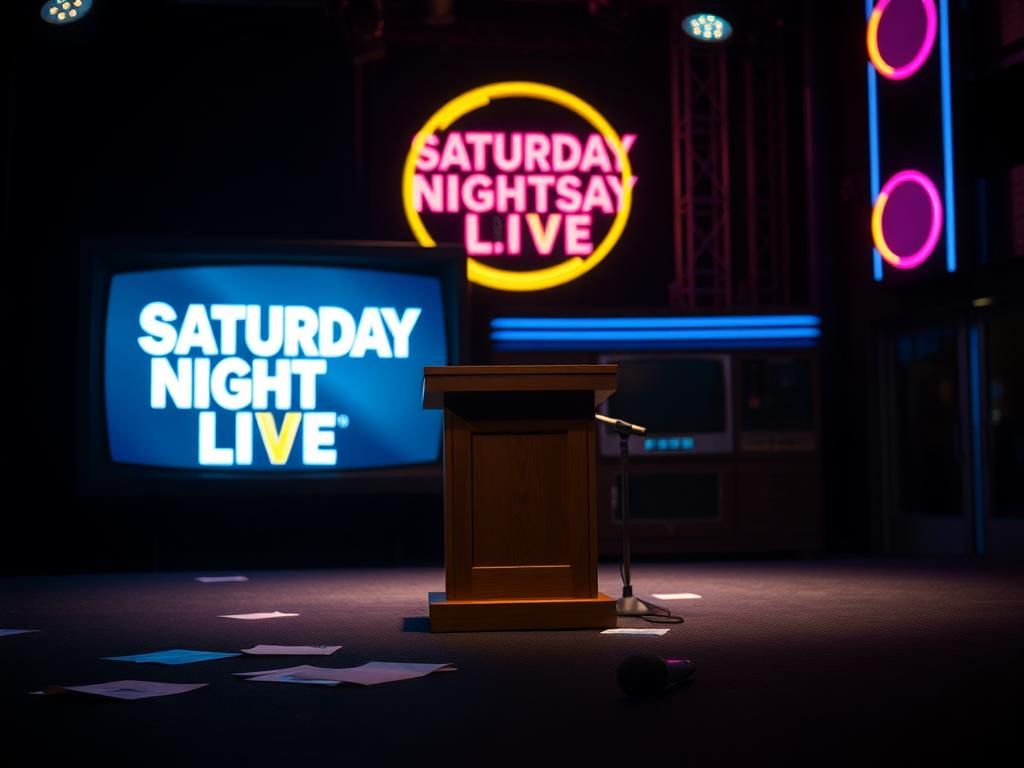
x=520, y=507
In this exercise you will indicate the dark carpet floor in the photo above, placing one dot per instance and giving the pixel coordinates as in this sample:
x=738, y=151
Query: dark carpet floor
x=869, y=662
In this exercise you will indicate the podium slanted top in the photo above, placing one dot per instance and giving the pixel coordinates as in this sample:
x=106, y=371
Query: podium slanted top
x=440, y=380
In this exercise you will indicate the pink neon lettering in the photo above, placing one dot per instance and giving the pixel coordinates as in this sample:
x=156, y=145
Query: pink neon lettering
x=543, y=234
x=597, y=196
x=595, y=155
x=474, y=245
x=514, y=158
x=477, y=194
x=536, y=152
x=429, y=190
x=540, y=183
x=455, y=154
x=566, y=152
x=514, y=234
x=616, y=184
x=568, y=190
x=628, y=139
x=555, y=180
x=427, y=161
x=506, y=192
x=452, y=182
x=479, y=141
x=577, y=234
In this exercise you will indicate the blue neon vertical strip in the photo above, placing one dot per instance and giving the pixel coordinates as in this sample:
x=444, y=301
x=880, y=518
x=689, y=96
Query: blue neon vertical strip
x=947, y=135
x=876, y=183
x=977, y=460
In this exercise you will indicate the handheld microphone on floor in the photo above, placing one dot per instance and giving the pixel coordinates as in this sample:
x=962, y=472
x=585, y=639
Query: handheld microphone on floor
x=647, y=675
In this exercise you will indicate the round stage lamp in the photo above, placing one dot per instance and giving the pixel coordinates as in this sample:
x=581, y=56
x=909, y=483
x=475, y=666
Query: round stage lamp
x=64, y=11
x=707, y=27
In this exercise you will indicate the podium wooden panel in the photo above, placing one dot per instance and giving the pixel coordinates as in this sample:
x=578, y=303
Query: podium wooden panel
x=519, y=496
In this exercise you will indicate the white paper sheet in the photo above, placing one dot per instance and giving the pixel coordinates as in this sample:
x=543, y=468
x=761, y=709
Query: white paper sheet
x=6, y=632
x=287, y=675
x=635, y=631
x=255, y=616
x=676, y=596
x=219, y=579
x=371, y=673
x=291, y=650
x=269, y=672
x=135, y=689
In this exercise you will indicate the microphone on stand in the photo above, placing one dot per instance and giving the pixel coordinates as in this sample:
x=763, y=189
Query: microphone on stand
x=629, y=604
x=648, y=675
x=624, y=428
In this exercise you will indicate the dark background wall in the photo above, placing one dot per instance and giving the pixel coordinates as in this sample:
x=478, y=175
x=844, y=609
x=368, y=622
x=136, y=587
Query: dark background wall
x=264, y=120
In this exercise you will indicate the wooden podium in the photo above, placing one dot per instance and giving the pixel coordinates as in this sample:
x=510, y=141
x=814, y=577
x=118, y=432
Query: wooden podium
x=520, y=514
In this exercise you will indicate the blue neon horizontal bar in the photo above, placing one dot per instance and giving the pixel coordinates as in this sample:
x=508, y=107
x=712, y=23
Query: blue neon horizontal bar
x=537, y=346
x=653, y=323
x=652, y=334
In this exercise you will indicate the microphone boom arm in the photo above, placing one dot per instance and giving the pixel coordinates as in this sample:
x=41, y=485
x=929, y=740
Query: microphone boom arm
x=624, y=428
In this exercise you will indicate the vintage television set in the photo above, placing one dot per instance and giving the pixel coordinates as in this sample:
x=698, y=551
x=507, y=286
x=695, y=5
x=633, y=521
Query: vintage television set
x=684, y=401
x=777, y=403
x=680, y=475
x=731, y=460
x=262, y=367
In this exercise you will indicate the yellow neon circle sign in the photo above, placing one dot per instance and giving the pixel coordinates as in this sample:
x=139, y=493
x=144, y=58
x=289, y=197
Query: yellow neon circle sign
x=538, y=279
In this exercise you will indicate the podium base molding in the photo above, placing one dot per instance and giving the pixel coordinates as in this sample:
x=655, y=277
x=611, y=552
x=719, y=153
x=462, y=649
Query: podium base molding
x=510, y=614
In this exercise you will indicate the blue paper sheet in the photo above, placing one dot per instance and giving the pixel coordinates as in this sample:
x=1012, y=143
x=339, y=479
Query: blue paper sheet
x=175, y=656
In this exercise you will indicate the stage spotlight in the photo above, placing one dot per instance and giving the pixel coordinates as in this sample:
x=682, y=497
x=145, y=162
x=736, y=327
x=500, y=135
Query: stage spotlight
x=440, y=13
x=707, y=27
x=64, y=11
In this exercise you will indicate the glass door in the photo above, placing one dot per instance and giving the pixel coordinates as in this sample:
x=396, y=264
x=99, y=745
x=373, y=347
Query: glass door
x=1000, y=368
x=924, y=452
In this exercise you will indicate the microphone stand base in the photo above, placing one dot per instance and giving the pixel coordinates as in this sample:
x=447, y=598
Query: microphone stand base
x=631, y=606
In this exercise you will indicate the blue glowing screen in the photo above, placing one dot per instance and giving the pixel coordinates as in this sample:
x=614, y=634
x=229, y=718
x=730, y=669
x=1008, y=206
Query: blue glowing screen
x=269, y=368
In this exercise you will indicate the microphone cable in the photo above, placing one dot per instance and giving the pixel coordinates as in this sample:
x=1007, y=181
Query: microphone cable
x=658, y=614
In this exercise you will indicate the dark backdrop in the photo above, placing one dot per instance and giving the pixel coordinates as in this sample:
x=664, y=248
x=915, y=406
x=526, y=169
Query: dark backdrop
x=216, y=120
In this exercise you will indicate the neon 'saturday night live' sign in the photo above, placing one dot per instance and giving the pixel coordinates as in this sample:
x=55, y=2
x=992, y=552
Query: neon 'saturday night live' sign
x=547, y=186
x=540, y=193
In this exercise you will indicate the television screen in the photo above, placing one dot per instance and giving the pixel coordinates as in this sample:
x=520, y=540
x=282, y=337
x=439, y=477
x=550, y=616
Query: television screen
x=777, y=410
x=675, y=394
x=776, y=395
x=285, y=360
x=682, y=400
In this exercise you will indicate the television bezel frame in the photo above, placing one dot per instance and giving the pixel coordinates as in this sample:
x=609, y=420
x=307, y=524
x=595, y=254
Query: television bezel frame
x=705, y=443
x=100, y=258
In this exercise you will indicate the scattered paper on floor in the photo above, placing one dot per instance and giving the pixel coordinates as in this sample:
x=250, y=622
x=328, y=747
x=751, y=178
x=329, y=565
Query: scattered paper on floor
x=677, y=596
x=173, y=656
x=291, y=650
x=371, y=673
x=635, y=631
x=255, y=616
x=128, y=689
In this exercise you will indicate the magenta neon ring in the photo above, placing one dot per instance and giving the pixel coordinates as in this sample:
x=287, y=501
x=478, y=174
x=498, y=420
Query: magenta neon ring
x=881, y=65
x=922, y=253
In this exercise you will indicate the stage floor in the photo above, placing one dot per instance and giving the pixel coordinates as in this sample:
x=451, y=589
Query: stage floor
x=880, y=662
